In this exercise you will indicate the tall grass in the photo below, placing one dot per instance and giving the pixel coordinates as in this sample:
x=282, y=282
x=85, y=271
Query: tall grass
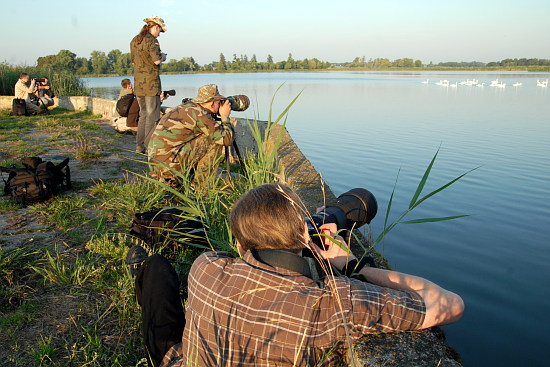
x=62, y=82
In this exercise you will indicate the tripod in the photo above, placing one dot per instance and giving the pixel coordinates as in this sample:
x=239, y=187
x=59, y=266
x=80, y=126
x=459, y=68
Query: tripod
x=236, y=147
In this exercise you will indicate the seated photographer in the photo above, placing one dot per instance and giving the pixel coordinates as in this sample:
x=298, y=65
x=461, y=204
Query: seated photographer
x=190, y=138
x=127, y=105
x=268, y=307
x=22, y=91
x=45, y=92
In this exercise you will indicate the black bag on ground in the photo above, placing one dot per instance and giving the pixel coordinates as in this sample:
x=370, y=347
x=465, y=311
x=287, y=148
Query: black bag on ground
x=38, y=180
x=167, y=228
x=124, y=103
x=19, y=107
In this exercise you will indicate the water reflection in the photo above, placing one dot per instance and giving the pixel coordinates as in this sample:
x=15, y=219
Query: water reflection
x=359, y=129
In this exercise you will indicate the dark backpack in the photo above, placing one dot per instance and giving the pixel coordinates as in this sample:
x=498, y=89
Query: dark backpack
x=37, y=180
x=167, y=228
x=124, y=103
x=19, y=107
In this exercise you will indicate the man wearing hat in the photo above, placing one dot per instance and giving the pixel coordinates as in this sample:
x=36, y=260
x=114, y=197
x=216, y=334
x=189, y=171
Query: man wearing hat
x=190, y=137
x=146, y=58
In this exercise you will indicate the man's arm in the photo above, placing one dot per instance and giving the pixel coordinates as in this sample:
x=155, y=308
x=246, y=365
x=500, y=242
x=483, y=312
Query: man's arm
x=442, y=306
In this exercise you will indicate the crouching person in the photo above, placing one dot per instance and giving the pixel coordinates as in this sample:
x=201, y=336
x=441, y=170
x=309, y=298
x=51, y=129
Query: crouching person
x=190, y=138
x=24, y=91
x=267, y=308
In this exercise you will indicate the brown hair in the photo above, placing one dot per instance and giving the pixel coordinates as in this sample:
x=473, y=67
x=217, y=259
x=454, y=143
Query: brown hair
x=125, y=83
x=144, y=30
x=23, y=75
x=269, y=216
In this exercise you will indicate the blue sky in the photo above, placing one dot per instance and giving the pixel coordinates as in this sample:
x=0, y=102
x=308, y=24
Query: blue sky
x=329, y=30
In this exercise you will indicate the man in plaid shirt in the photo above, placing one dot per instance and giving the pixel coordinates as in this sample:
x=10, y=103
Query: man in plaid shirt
x=269, y=307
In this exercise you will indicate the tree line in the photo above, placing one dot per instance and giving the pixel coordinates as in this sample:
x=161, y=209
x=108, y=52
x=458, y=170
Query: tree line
x=119, y=63
x=116, y=62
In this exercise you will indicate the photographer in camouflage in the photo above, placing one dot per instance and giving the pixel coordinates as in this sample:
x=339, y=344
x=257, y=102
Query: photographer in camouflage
x=190, y=137
x=146, y=58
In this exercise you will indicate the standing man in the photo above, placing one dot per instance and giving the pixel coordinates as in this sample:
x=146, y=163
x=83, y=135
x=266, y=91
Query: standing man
x=146, y=57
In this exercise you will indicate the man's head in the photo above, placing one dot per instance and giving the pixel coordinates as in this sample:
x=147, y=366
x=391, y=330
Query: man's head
x=269, y=216
x=209, y=97
x=126, y=84
x=155, y=25
x=24, y=77
x=44, y=81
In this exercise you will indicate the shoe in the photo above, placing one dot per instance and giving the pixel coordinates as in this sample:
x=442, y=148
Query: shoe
x=135, y=258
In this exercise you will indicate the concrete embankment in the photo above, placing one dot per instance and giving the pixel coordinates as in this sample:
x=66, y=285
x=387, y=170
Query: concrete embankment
x=424, y=348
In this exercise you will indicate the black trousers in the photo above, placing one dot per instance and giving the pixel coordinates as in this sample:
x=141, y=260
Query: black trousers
x=157, y=291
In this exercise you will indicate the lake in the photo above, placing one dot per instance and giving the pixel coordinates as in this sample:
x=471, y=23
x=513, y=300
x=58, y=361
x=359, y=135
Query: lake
x=359, y=129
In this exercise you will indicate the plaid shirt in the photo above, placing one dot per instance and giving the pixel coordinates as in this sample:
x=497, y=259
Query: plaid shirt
x=244, y=312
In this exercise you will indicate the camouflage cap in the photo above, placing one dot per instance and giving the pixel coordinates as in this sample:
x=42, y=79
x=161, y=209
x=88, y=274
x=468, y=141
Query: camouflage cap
x=207, y=93
x=158, y=20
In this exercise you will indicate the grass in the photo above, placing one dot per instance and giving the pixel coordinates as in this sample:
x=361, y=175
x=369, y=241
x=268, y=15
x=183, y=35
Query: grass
x=77, y=276
x=63, y=83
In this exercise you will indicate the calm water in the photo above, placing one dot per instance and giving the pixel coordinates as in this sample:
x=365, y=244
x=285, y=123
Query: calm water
x=359, y=129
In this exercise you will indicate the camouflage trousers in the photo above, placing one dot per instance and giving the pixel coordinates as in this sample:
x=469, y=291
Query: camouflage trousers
x=201, y=161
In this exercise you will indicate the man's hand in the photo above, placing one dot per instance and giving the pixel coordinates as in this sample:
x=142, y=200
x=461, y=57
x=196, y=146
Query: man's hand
x=336, y=250
x=225, y=110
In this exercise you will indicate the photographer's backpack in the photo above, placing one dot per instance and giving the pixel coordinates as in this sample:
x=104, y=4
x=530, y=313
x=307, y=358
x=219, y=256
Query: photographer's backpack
x=167, y=228
x=19, y=107
x=124, y=103
x=38, y=180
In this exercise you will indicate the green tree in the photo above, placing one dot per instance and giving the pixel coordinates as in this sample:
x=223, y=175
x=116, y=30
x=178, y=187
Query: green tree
x=99, y=62
x=65, y=60
x=290, y=63
x=46, y=62
x=112, y=58
x=222, y=63
x=82, y=66
x=418, y=63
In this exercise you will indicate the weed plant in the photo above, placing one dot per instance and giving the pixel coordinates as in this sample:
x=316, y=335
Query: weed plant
x=63, y=83
x=104, y=316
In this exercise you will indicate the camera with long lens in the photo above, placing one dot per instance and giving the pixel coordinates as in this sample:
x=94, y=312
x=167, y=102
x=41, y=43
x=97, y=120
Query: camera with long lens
x=167, y=93
x=39, y=80
x=351, y=210
x=239, y=102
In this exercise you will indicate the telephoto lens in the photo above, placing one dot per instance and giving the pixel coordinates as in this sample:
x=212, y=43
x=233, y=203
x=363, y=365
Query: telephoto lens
x=239, y=102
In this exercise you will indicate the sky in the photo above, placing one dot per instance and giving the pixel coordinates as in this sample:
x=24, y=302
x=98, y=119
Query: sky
x=428, y=30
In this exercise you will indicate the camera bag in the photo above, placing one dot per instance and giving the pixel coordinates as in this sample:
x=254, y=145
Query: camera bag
x=168, y=227
x=124, y=103
x=38, y=180
x=19, y=107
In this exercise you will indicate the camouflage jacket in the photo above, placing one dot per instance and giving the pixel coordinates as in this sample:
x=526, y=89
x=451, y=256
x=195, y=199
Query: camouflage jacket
x=173, y=140
x=146, y=73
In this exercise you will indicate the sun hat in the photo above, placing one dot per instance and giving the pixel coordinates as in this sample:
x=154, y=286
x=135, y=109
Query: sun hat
x=158, y=20
x=207, y=93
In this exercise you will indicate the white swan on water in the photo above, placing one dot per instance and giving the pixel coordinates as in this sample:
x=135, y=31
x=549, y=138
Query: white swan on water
x=543, y=84
x=426, y=81
x=517, y=84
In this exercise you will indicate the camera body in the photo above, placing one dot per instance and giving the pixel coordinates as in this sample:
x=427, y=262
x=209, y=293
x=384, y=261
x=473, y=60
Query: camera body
x=351, y=210
x=167, y=93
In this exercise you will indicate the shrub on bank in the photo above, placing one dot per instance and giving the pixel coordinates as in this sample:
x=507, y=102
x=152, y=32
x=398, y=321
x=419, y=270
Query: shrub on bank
x=63, y=83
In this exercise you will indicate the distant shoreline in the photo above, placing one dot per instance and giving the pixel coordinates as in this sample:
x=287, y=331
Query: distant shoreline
x=435, y=68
